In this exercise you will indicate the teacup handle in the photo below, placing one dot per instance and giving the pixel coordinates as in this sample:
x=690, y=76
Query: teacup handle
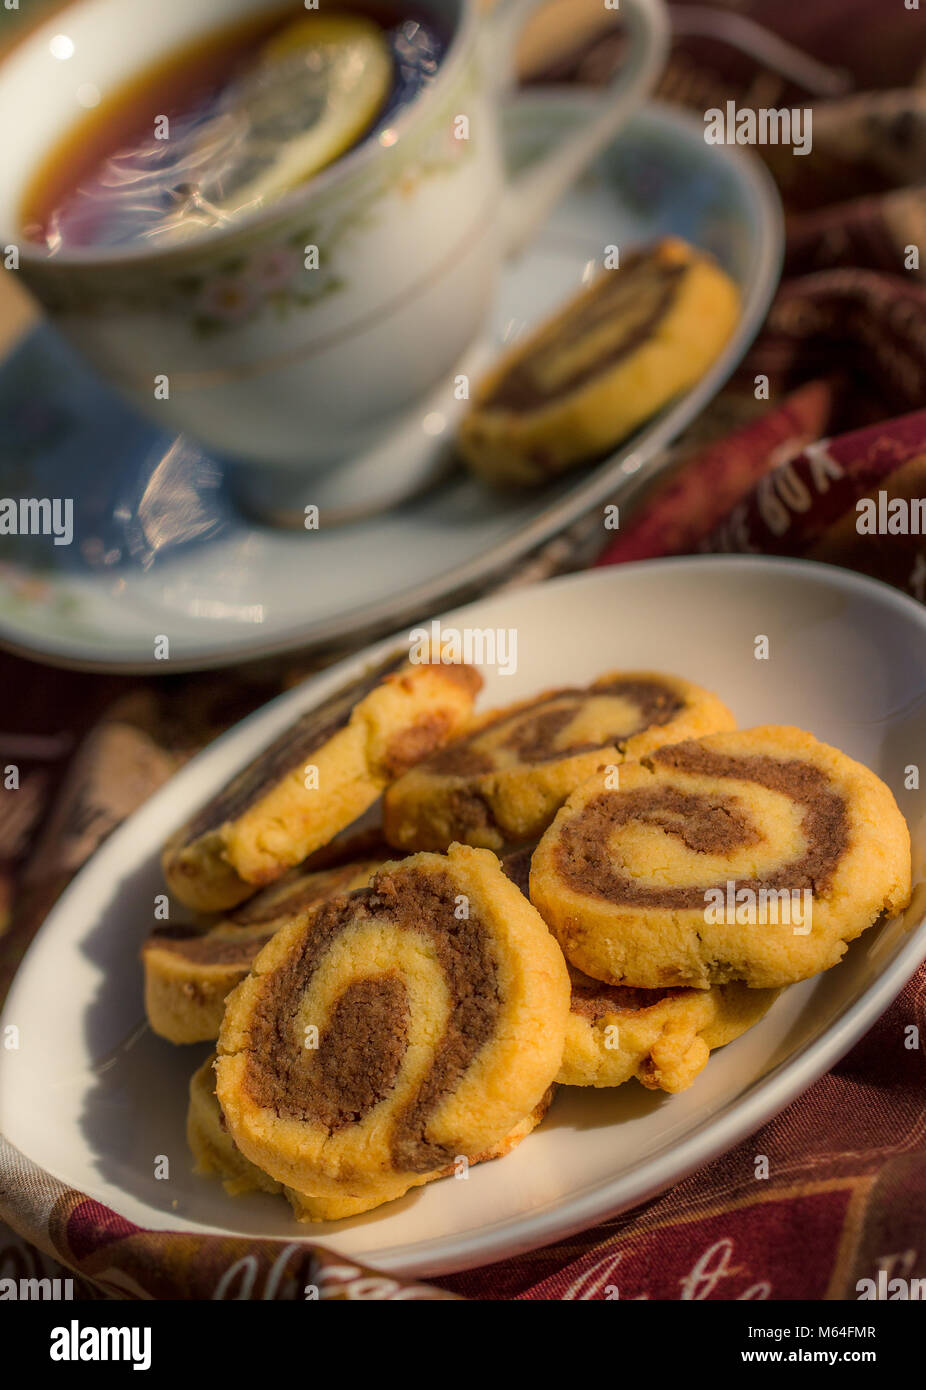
x=530, y=197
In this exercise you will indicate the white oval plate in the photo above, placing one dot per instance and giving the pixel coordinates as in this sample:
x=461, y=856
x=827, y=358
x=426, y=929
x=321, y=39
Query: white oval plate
x=847, y=661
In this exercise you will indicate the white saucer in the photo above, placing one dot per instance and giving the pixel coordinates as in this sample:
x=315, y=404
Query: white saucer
x=160, y=551
x=92, y=1100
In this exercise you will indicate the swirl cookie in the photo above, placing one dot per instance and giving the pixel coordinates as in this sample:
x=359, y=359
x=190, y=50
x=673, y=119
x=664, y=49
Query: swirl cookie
x=505, y=778
x=315, y=779
x=216, y=1154
x=393, y=1032
x=755, y=855
x=516, y=865
x=617, y=353
x=337, y=1208
x=663, y=1037
x=189, y=971
x=211, y=1144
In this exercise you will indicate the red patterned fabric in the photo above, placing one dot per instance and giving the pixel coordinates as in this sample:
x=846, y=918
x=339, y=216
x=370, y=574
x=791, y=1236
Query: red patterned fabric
x=844, y=1198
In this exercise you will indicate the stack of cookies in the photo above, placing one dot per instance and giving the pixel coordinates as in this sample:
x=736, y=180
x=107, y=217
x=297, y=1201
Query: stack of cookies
x=558, y=892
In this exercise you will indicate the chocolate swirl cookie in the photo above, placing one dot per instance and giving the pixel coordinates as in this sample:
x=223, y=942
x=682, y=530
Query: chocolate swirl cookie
x=394, y=1032
x=189, y=970
x=210, y=1143
x=663, y=1037
x=617, y=353
x=217, y=1155
x=315, y=779
x=503, y=780
x=755, y=856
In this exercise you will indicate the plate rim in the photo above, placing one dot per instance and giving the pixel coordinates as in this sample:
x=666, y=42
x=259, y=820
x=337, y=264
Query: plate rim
x=711, y=1136
x=619, y=470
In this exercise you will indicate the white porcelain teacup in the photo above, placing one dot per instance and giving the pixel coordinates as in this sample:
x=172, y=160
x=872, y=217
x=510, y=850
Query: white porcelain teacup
x=290, y=371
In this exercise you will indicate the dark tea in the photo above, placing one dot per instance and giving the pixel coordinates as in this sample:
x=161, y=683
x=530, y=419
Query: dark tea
x=229, y=125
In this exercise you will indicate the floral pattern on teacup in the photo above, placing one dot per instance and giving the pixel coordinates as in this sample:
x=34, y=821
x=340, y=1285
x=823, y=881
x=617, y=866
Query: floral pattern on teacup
x=276, y=278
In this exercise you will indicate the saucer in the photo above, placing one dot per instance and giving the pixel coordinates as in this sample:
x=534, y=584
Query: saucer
x=158, y=548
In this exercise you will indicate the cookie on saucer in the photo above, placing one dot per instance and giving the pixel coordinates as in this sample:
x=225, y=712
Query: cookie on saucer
x=637, y=336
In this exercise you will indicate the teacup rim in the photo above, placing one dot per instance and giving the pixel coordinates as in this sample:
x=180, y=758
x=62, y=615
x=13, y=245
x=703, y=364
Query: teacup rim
x=95, y=258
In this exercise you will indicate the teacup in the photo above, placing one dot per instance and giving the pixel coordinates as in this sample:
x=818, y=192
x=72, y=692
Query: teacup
x=291, y=341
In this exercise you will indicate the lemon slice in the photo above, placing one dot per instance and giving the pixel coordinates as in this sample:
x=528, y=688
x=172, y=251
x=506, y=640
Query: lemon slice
x=316, y=88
